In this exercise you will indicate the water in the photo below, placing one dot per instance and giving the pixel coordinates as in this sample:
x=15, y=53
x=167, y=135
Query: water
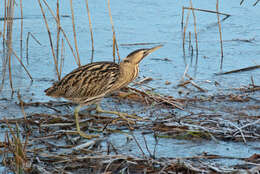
x=142, y=22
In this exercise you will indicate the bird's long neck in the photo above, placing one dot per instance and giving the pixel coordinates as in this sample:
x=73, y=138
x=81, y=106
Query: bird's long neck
x=128, y=72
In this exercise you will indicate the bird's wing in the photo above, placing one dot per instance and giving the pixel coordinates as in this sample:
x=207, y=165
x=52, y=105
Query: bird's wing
x=88, y=82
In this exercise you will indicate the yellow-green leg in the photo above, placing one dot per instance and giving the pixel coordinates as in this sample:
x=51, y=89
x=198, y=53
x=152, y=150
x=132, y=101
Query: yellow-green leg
x=120, y=114
x=76, y=113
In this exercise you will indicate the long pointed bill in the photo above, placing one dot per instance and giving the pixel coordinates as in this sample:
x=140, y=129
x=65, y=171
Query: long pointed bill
x=149, y=51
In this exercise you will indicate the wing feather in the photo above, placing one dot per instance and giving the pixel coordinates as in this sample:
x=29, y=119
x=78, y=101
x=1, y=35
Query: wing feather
x=86, y=83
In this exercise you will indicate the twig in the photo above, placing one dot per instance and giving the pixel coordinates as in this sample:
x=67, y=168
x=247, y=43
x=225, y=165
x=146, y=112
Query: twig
x=146, y=146
x=240, y=70
x=139, y=146
x=239, y=129
x=208, y=11
x=250, y=124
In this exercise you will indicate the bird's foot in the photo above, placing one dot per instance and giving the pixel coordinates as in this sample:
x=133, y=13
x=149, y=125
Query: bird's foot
x=84, y=135
x=123, y=115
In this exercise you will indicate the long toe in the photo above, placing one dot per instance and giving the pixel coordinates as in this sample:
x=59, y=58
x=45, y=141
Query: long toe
x=122, y=115
x=82, y=134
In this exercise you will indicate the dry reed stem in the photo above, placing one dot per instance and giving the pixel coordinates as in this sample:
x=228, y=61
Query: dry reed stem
x=62, y=56
x=190, y=49
x=15, y=145
x=28, y=73
x=91, y=31
x=220, y=36
x=3, y=70
x=22, y=108
x=182, y=18
x=58, y=30
x=50, y=39
x=10, y=15
x=208, y=11
x=63, y=32
x=115, y=46
x=142, y=43
x=184, y=34
x=195, y=32
x=139, y=146
x=5, y=18
x=240, y=70
x=27, y=45
x=146, y=146
x=190, y=45
x=74, y=33
x=21, y=34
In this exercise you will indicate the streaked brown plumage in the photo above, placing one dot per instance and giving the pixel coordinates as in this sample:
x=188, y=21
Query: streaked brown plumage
x=88, y=84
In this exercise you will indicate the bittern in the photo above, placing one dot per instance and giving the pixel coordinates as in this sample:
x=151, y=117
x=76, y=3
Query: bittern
x=88, y=84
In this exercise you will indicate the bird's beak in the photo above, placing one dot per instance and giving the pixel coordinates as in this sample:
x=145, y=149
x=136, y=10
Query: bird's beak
x=150, y=50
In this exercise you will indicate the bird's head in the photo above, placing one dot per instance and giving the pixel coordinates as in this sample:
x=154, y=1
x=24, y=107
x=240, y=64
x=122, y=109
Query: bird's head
x=136, y=56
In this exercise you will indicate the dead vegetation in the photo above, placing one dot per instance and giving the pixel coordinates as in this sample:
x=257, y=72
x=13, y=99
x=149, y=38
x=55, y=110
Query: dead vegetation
x=48, y=142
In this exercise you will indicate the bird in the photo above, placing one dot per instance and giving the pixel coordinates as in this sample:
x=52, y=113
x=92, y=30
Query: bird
x=90, y=83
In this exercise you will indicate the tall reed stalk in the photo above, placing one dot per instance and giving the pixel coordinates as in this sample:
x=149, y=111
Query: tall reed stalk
x=91, y=31
x=50, y=40
x=220, y=36
x=74, y=33
x=115, y=46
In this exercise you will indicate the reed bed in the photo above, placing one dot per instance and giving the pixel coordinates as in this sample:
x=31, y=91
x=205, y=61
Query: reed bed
x=184, y=27
x=47, y=142
x=44, y=135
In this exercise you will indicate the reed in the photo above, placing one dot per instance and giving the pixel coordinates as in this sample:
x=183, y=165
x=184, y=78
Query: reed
x=50, y=40
x=184, y=35
x=58, y=29
x=195, y=32
x=220, y=36
x=115, y=46
x=5, y=16
x=61, y=56
x=74, y=32
x=21, y=33
x=21, y=63
x=207, y=11
x=15, y=146
x=91, y=31
x=63, y=32
x=4, y=62
x=10, y=15
x=27, y=45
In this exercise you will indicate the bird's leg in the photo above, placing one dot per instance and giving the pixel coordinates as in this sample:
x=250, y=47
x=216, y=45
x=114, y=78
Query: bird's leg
x=76, y=113
x=120, y=114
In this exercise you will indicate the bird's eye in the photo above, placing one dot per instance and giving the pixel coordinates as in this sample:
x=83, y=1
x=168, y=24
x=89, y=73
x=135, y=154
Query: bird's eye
x=126, y=60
